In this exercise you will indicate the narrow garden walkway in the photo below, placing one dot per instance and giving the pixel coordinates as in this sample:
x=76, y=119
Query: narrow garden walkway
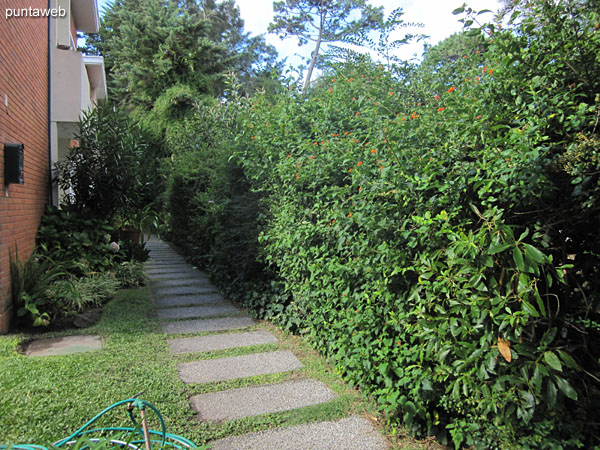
x=198, y=319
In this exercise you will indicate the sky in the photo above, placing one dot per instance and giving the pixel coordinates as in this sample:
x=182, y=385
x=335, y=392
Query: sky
x=435, y=16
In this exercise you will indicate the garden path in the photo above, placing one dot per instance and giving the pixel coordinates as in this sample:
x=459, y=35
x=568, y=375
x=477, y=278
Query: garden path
x=197, y=319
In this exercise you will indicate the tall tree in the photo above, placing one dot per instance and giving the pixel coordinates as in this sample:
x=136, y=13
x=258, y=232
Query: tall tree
x=322, y=22
x=152, y=45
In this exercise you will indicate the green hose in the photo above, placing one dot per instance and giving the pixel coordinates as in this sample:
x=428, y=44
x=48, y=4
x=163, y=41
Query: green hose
x=158, y=439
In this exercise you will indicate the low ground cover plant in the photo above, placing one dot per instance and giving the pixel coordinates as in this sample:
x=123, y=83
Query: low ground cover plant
x=430, y=232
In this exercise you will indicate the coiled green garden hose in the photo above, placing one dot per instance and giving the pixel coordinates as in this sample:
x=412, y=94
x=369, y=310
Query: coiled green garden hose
x=150, y=439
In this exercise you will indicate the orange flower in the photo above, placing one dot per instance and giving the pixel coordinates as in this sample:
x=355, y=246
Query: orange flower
x=359, y=188
x=357, y=113
x=436, y=96
x=333, y=81
x=253, y=137
x=478, y=117
x=359, y=163
x=476, y=78
x=267, y=124
x=350, y=170
x=373, y=150
x=288, y=155
x=351, y=79
x=335, y=135
x=414, y=115
x=315, y=143
x=332, y=222
x=391, y=92
x=297, y=175
x=330, y=90
x=440, y=109
x=313, y=157
x=399, y=343
x=451, y=89
x=419, y=104
x=490, y=71
x=348, y=216
x=485, y=69
x=381, y=168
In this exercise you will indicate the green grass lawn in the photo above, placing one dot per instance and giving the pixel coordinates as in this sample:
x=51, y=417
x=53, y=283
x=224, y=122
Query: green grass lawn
x=44, y=399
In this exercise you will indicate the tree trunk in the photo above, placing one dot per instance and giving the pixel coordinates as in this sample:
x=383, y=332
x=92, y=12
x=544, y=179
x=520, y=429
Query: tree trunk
x=315, y=54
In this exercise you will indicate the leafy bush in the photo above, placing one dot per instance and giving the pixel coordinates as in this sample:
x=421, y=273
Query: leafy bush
x=29, y=282
x=112, y=173
x=430, y=234
x=131, y=274
x=82, y=244
x=67, y=297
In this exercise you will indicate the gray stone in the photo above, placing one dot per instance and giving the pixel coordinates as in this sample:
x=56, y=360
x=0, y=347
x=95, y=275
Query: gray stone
x=171, y=264
x=198, y=311
x=185, y=290
x=168, y=301
x=350, y=433
x=238, y=367
x=256, y=400
x=63, y=345
x=206, y=325
x=154, y=265
x=172, y=269
x=174, y=276
x=181, y=282
x=220, y=341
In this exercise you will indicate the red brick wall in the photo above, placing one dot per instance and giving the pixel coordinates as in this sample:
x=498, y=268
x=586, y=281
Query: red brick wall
x=24, y=79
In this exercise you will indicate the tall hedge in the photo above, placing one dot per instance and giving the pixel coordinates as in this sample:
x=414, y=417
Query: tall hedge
x=434, y=235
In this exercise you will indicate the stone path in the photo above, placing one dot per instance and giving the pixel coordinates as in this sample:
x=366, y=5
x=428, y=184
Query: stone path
x=188, y=304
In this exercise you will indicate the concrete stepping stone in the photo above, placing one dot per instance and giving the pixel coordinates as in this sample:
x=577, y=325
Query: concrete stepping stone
x=172, y=269
x=198, y=311
x=220, y=342
x=185, y=290
x=181, y=282
x=63, y=345
x=172, y=265
x=238, y=367
x=169, y=301
x=350, y=433
x=186, y=275
x=256, y=400
x=206, y=325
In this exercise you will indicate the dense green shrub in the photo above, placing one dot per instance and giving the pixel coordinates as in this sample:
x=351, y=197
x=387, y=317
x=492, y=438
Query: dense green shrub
x=81, y=244
x=131, y=274
x=30, y=280
x=430, y=234
x=112, y=173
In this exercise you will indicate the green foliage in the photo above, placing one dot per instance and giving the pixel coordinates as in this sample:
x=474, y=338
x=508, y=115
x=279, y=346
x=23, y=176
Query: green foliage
x=131, y=274
x=29, y=282
x=80, y=244
x=430, y=234
x=112, y=170
x=150, y=46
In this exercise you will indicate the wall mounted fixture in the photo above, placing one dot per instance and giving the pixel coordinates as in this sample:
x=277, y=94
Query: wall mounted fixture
x=14, y=157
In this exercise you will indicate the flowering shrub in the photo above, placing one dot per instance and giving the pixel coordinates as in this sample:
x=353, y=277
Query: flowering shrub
x=431, y=234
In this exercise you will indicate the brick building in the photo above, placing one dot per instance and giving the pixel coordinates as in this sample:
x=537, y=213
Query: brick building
x=44, y=85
